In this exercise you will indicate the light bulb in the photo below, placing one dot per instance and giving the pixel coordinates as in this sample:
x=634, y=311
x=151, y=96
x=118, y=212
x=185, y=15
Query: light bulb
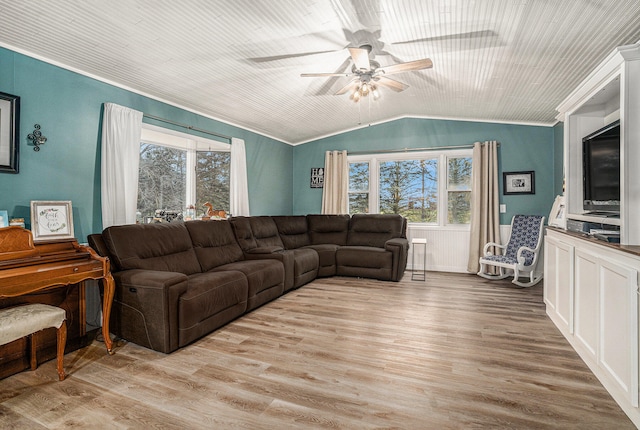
x=376, y=94
x=365, y=89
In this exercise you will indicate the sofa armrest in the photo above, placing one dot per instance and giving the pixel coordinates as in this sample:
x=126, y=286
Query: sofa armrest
x=399, y=247
x=148, y=307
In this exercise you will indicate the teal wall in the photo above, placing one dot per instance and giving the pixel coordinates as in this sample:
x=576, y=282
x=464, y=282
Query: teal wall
x=522, y=148
x=558, y=157
x=69, y=106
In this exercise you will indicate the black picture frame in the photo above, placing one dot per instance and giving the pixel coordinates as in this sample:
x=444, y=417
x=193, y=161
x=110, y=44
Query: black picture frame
x=518, y=183
x=9, y=133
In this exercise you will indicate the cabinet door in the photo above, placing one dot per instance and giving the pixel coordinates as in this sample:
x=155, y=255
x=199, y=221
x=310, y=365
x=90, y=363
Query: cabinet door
x=550, y=270
x=563, y=282
x=618, y=352
x=586, y=313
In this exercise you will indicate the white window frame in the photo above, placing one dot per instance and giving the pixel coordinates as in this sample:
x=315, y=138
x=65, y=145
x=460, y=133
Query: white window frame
x=442, y=156
x=160, y=136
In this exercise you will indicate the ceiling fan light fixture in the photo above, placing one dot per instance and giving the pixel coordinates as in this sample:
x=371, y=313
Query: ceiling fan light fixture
x=375, y=92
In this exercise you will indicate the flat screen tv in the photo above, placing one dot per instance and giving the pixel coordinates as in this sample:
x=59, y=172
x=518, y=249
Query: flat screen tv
x=601, y=171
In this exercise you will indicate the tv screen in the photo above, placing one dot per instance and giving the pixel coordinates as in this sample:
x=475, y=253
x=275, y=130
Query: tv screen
x=601, y=169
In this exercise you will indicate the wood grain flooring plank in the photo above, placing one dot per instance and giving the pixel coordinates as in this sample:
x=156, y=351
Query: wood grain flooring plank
x=453, y=352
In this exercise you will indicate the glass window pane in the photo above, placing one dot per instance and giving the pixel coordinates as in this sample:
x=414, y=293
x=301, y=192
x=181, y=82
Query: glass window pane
x=359, y=176
x=459, y=210
x=212, y=180
x=358, y=203
x=161, y=179
x=459, y=174
x=410, y=188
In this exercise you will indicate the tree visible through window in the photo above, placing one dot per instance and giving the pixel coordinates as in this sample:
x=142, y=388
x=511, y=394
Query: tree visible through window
x=410, y=188
x=181, y=171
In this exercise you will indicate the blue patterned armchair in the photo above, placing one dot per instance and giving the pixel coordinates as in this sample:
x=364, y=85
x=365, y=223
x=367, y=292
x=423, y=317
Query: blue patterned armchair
x=519, y=257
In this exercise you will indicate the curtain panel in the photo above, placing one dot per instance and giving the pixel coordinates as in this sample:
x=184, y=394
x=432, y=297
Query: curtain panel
x=485, y=201
x=335, y=193
x=121, y=130
x=239, y=199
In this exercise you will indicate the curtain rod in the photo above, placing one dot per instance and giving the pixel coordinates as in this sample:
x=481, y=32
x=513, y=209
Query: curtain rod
x=433, y=148
x=157, y=118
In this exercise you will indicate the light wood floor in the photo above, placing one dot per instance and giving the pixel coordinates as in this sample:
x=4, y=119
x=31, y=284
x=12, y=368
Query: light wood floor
x=454, y=352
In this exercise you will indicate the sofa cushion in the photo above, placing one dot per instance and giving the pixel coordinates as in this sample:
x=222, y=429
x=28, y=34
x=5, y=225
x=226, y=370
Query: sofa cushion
x=293, y=230
x=214, y=243
x=326, y=258
x=265, y=231
x=265, y=278
x=364, y=261
x=306, y=263
x=162, y=246
x=212, y=300
x=328, y=229
x=374, y=229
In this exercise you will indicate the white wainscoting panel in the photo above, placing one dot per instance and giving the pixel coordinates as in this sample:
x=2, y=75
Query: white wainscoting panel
x=447, y=247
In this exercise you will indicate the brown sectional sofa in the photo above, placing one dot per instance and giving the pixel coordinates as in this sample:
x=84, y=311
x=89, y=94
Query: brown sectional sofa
x=176, y=282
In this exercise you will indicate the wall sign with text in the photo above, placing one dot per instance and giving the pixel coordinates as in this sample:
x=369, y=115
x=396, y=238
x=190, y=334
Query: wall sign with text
x=317, y=177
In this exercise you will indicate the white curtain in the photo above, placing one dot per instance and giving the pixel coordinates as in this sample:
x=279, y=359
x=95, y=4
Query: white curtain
x=335, y=192
x=485, y=216
x=121, y=129
x=239, y=199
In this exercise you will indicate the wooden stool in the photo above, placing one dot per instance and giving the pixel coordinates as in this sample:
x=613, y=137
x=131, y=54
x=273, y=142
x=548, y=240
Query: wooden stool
x=20, y=321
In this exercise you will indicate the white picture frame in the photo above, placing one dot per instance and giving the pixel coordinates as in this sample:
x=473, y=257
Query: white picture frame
x=51, y=220
x=557, y=216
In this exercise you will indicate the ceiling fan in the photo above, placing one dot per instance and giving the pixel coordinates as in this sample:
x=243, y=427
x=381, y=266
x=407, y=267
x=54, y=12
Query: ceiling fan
x=368, y=75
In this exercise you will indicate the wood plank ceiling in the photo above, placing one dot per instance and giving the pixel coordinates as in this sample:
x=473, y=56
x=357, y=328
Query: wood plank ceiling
x=240, y=61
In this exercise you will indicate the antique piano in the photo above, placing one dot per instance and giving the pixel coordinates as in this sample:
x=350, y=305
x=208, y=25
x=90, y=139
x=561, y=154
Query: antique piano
x=52, y=271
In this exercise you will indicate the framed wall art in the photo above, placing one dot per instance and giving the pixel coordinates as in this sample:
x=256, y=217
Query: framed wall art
x=4, y=219
x=317, y=177
x=9, y=132
x=519, y=183
x=51, y=220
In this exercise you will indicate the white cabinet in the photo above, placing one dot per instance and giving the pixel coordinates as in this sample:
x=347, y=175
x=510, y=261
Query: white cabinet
x=591, y=294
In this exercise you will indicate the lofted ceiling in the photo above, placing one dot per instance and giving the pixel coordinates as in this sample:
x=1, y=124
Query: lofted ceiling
x=240, y=61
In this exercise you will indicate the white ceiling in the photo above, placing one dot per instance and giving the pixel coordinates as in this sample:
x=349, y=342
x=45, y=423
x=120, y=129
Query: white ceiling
x=240, y=61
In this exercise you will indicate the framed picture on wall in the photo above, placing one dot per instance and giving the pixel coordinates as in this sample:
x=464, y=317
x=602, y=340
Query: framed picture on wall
x=519, y=183
x=9, y=132
x=51, y=220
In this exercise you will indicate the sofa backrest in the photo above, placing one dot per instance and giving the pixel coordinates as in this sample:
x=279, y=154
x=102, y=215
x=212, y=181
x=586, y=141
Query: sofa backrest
x=162, y=246
x=265, y=231
x=374, y=229
x=328, y=229
x=293, y=230
x=242, y=230
x=214, y=243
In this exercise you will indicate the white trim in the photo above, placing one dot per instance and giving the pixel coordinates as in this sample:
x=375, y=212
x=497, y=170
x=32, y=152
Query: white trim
x=176, y=139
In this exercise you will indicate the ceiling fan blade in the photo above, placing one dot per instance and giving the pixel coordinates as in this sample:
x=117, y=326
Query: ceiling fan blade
x=323, y=75
x=351, y=85
x=326, y=87
x=360, y=58
x=425, y=63
x=391, y=83
x=457, y=36
x=286, y=56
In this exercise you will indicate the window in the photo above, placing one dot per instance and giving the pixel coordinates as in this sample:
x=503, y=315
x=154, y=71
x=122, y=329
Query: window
x=178, y=171
x=426, y=187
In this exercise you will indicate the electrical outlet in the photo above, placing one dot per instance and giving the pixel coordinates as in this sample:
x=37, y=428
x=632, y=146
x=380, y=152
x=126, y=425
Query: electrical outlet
x=503, y=209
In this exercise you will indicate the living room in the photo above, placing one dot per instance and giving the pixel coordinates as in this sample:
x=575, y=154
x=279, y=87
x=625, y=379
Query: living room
x=67, y=101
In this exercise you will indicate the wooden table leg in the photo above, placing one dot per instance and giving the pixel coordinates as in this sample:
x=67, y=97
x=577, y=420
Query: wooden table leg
x=109, y=286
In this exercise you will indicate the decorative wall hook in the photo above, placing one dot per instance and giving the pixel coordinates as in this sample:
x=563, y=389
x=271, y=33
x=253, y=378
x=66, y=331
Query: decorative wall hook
x=37, y=138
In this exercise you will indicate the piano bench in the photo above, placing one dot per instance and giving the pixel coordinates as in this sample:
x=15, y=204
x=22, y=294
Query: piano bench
x=21, y=321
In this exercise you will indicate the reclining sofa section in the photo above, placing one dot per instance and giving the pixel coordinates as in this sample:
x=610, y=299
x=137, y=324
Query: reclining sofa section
x=177, y=282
